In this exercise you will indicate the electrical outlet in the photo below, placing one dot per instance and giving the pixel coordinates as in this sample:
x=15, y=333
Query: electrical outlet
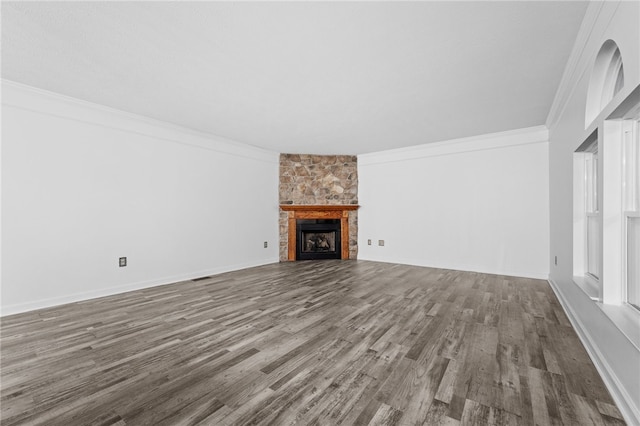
x=266, y=244
x=369, y=242
x=122, y=261
x=381, y=243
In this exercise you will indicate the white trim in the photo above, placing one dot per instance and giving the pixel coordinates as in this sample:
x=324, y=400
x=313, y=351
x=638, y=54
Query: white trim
x=590, y=286
x=623, y=400
x=625, y=262
x=40, y=101
x=526, y=136
x=457, y=267
x=93, y=294
x=578, y=64
x=626, y=318
x=2, y=222
x=565, y=89
x=631, y=199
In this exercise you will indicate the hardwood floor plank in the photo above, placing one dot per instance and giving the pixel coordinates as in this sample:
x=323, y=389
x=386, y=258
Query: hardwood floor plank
x=585, y=412
x=316, y=342
x=507, y=379
x=609, y=410
x=386, y=416
x=527, y=407
x=445, y=388
x=437, y=415
x=426, y=382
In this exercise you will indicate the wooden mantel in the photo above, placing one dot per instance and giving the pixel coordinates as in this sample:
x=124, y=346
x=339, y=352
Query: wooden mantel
x=318, y=211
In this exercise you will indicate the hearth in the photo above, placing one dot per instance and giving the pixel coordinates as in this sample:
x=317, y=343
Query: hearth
x=318, y=239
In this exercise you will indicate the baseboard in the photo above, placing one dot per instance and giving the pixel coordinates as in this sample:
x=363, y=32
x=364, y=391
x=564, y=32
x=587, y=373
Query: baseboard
x=623, y=400
x=459, y=267
x=93, y=294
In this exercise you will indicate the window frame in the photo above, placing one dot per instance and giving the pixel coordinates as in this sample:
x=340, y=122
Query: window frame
x=630, y=135
x=610, y=293
x=592, y=213
x=586, y=204
x=609, y=105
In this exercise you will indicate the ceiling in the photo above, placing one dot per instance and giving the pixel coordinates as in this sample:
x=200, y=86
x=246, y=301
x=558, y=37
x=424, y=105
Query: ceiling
x=302, y=77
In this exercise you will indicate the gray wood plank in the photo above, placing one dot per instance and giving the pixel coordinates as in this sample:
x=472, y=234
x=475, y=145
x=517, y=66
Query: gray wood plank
x=316, y=342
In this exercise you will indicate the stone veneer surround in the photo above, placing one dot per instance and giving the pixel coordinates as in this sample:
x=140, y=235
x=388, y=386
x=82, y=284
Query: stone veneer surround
x=318, y=180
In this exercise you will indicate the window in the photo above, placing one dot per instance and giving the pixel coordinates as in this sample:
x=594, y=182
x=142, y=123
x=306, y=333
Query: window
x=631, y=210
x=592, y=217
x=587, y=229
x=606, y=195
x=633, y=261
x=613, y=79
x=607, y=79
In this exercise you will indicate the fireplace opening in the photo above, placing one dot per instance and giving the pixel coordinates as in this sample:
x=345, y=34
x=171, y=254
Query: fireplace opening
x=318, y=239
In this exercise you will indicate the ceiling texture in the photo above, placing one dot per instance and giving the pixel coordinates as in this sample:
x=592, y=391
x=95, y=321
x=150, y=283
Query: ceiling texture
x=302, y=77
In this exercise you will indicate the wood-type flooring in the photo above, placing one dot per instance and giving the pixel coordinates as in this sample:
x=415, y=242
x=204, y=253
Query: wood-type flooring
x=307, y=343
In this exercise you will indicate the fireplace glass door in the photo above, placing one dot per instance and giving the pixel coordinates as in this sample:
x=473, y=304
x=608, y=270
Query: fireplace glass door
x=318, y=239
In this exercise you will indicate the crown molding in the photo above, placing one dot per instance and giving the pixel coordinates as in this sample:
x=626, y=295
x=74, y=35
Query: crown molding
x=18, y=95
x=579, y=60
x=526, y=136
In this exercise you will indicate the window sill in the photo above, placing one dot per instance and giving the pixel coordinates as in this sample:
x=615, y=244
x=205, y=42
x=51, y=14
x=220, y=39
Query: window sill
x=626, y=319
x=589, y=286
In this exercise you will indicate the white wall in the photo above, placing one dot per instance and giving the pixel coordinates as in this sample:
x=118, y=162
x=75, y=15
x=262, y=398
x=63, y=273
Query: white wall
x=475, y=204
x=617, y=359
x=83, y=185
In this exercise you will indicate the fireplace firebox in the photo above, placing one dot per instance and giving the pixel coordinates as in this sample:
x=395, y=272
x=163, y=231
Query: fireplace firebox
x=318, y=239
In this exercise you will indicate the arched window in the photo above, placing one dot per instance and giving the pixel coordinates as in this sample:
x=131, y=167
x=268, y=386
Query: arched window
x=607, y=79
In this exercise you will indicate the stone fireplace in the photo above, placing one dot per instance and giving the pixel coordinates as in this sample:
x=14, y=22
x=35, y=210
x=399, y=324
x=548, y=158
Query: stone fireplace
x=318, y=188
